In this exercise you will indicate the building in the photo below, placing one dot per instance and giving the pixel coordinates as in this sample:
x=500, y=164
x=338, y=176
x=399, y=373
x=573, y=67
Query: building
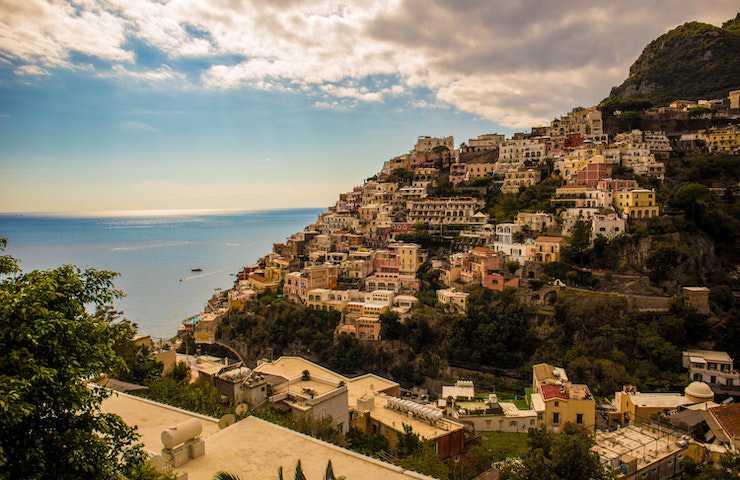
x=697, y=298
x=474, y=171
x=536, y=222
x=409, y=256
x=638, y=203
x=734, y=99
x=584, y=122
x=641, y=452
x=547, y=248
x=250, y=448
x=490, y=415
x=457, y=300
x=485, y=142
x=723, y=140
x=298, y=284
x=634, y=406
x=461, y=390
x=386, y=415
x=557, y=401
x=427, y=144
x=714, y=368
x=445, y=211
x=517, y=179
x=608, y=225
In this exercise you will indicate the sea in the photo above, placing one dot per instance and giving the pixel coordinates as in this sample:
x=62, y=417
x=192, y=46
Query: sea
x=154, y=253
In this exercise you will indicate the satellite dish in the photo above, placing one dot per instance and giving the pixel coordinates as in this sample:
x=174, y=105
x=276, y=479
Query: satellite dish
x=241, y=409
x=226, y=420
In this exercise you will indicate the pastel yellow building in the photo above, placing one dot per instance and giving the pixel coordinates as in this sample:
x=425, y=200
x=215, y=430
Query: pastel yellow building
x=558, y=402
x=639, y=203
x=723, y=140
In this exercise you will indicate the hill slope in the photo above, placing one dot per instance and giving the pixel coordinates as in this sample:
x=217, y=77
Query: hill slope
x=692, y=61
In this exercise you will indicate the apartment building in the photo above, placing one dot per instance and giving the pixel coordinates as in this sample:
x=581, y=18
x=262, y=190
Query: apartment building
x=547, y=248
x=633, y=406
x=518, y=179
x=298, y=284
x=712, y=367
x=586, y=122
x=637, y=203
x=474, y=171
x=513, y=152
x=608, y=225
x=428, y=144
x=484, y=143
x=445, y=211
x=723, y=140
x=457, y=300
x=535, y=221
x=557, y=401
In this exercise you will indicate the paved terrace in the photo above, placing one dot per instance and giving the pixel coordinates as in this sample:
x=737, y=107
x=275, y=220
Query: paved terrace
x=251, y=448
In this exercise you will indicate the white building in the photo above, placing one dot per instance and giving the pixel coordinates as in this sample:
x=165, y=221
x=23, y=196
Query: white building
x=712, y=367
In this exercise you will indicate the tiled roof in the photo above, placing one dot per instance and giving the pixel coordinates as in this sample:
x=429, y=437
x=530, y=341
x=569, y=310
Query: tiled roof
x=729, y=417
x=553, y=391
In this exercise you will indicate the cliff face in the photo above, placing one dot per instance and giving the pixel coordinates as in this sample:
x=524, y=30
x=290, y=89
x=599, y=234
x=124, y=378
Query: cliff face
x=692, y=61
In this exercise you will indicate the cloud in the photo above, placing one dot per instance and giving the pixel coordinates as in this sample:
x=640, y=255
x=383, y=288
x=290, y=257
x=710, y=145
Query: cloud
x=338, y=106
x=136, y=126
x=30, y=70
x=163, y=73
x=517, y=63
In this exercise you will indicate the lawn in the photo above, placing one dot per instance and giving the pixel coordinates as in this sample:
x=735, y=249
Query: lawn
x=504, y=444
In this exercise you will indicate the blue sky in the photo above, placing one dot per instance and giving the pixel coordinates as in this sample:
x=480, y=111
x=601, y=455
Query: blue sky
x=129, y=105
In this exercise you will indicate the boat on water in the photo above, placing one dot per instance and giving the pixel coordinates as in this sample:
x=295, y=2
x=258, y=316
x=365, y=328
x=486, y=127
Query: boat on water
x=196, y=269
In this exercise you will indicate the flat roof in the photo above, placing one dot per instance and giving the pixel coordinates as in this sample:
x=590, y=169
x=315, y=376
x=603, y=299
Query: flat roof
x=396, y=420
x=643, y=444
x=151, y=418
x=658, y=400
x=292, y=367
x=711, y=355
x=251, y=448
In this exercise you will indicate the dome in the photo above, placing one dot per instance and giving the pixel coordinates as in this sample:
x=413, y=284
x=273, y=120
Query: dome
x=699, y=392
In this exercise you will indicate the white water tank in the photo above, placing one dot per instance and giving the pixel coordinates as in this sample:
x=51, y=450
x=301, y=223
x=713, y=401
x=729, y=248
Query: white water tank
x=181, y=433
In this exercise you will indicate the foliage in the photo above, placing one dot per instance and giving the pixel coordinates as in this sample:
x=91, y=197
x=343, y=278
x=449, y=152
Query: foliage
x=692, y=61
x=729, y=467
x=366, y=443
x=200, y=397
x=226, y=476
x=425, y=460
x=323, y=429
x=50, y=418
x=661, y=261
x=504, y=207
x=495, y=331
x=557, y=456
x=408, y=442
x=8, y=264
x=497, y=446
x=579, y=241
x=139, y=365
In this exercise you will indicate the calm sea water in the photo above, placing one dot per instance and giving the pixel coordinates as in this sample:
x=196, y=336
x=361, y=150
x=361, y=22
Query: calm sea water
x=154, y=254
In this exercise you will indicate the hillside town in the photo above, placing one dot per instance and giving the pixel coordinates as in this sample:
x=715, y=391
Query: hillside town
x=428, y=213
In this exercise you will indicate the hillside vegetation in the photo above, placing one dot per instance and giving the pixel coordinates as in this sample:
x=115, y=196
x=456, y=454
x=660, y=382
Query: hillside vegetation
x=695, y=60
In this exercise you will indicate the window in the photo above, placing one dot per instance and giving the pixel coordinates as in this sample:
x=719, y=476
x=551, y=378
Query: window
x=555, y=418
x=579, y=418
x=713, y=379
x=730, y=382
x=697, y=377
x=557, y=404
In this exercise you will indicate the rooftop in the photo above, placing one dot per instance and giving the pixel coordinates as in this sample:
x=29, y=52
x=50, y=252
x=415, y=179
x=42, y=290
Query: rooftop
x=710, y=355
x=293, y=367
x=644, y=444
x=251, y=448
x=395, y=419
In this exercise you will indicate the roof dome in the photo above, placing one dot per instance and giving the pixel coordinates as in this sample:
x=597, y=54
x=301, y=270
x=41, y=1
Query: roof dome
x=699, y=392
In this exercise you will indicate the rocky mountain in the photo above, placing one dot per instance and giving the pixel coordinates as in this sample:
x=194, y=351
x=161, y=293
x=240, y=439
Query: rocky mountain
x=695, y=60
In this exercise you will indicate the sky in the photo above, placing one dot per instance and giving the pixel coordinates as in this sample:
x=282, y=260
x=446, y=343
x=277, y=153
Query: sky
x=114, y=105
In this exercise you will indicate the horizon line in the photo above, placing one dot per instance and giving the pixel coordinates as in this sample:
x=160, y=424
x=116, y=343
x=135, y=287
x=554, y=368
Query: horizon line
x=159, y=212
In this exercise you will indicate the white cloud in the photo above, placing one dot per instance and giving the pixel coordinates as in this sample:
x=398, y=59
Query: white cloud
x=163, y=73
x=518, y=63
x=30, y=70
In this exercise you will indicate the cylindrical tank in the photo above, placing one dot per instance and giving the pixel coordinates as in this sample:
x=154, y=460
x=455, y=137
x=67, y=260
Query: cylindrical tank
x=181, y=433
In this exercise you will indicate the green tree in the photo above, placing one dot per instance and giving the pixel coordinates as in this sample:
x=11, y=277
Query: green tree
x=391, y=327
x=408, y=442
x=425, y=460
x=564, y=456
x=231, y=476
x=329, y=474
x=578, y=243
x=50, y=418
